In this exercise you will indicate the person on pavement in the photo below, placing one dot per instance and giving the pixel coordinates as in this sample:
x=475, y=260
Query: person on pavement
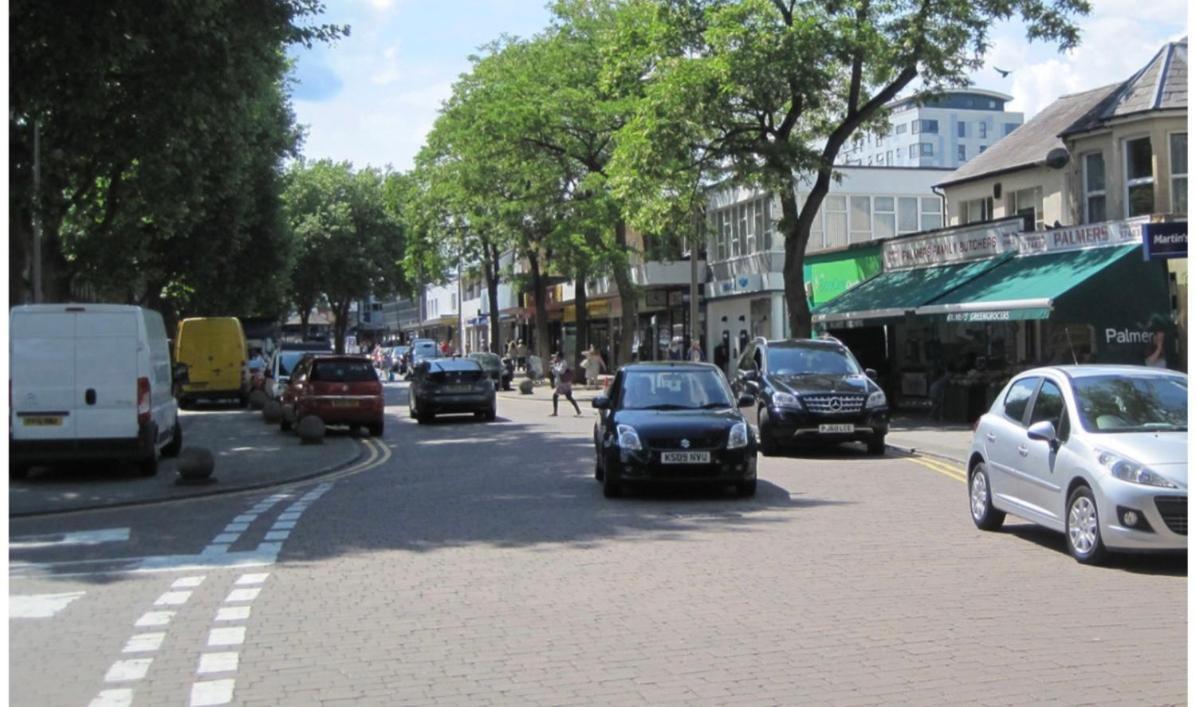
x=563, y=375
x=695, y=351
x=593, y=365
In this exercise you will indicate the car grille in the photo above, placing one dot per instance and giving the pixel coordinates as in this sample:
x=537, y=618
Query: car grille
x=833, y=404
x=1174, y=510
x=689, y=471
x=706, y=441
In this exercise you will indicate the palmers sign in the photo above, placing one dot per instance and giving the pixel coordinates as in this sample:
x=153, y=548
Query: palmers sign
x=956, y=245
x=1092, y=235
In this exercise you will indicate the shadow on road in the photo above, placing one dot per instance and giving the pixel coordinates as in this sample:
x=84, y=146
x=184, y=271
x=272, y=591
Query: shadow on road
x=1167, y=564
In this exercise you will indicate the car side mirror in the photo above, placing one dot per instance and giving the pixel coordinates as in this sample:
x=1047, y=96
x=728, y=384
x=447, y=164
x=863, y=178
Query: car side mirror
x=1044, y=432
x=600, y=402
x=870, y=372
x=746, y=401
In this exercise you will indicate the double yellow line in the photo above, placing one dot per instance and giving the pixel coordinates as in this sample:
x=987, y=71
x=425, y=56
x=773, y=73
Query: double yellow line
x=945, y=468
x=379, y=454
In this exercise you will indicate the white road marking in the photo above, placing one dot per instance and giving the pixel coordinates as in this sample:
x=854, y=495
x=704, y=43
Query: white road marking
x=283, y=525
x=83, y=537
x=39, y=606
x=289, y=515
x=212, y=692
x=226, y=538
x=144, y=643
x=250, y=579
x=215, y=549
x=277, y=535
x=230, y=636
x=217, y=663
x=128, y=670
x=173, y=599
x=236, y=527
x=232, y=613
x=120, y=697
x=247, y=518
x=154, y=618
x=237, y=595
x=187, y=582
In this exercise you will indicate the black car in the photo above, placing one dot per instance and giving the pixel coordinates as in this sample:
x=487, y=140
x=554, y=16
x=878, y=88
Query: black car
x=495, y=368
x=672, y=422
x=421, y=350
x=812, y=391
x=448, y=385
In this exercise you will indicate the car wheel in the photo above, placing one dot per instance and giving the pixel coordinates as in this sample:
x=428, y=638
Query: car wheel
x=1083, y=528
x=746, y=489
x=376, y=429
x=173, y=448
x=243, y=400
x=612, y=485
x=148, y=466
x=491, y=414
x=980, y=494
x=768, y=445
x=876, y=446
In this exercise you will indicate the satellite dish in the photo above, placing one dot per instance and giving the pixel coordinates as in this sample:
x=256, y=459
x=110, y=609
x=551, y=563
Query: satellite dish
x=1058, y=158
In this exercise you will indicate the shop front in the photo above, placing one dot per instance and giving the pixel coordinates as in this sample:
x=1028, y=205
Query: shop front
x=828, y=275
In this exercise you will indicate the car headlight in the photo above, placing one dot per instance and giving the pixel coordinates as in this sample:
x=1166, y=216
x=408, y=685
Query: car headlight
x=1130, y=470
x=876, y=400
x=738, y=437
x=786, y=400
x=629, y=438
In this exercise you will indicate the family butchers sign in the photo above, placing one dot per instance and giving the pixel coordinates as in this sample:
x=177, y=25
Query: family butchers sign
x=958, y=245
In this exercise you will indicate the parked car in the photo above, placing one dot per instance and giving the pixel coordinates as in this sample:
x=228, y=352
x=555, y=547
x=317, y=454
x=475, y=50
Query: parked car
x=90, y=382
x=421, y=350
x=450, y=385
x=400, y=358
x=213, y=349
x=284, y=360
x=1099, y=453
x=493, y=365
x=811, y=391
x=339, y=389
x=672, y=422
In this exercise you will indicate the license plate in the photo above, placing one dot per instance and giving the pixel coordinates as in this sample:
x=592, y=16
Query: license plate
x=344, y=403
x=42, y=421
x=458, y=388
x=685, y=457
x=836, y=428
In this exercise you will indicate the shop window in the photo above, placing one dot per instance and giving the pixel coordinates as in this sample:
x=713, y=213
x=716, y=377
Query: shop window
x=1139, y=177
x=1018, y=397
x=1179, y=172
x=836, y=220
x=932, y=213
x=1027, y=203
x=861, y=218
x=1094, y=188
x=884, y=217
x=907, y=214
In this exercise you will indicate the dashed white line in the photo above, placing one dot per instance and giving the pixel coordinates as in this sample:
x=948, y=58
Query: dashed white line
x=230, y=636
x=236, y=527
x=173, y=598
x=128, y=670
x=251, y=579
x=277, y=535
x=238, y=595
x=232, y=613
x=144, y=643
x=289, y=515
x=283, y=525
x=154, y=618
x=217, y=663
x=120, y=697
x=226, y=538
x=187, y=582
x=212, y=692
x=247, y=518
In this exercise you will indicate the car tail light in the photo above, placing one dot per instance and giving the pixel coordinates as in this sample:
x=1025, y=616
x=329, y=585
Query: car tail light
x=143, y=401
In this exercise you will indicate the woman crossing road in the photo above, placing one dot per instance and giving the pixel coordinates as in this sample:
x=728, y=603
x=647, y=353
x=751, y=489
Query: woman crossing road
x=563, y=375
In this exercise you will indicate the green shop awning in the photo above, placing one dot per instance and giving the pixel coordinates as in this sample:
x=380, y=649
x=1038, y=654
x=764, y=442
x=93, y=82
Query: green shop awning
x=893, y=293
x=1025, y=287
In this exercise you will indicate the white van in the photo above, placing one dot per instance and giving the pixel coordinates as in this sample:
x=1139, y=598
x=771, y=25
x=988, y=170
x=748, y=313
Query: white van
x=90, y=382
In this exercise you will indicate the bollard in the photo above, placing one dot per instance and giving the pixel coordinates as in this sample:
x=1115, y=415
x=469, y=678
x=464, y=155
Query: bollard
x=195, y=466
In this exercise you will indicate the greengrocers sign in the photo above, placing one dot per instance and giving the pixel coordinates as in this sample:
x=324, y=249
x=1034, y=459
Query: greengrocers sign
x=958, y=245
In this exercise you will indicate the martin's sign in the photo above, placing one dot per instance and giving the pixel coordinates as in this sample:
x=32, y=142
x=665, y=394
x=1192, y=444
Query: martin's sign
x=1091, y=235
x=957, y=245
x=1165, y=240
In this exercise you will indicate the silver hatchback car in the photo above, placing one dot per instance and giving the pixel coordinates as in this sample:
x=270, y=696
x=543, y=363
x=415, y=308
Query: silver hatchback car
x=1099, y=453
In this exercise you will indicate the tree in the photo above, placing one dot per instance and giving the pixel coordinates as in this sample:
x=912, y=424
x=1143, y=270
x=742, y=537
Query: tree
x=767, y=89
x=350, y=241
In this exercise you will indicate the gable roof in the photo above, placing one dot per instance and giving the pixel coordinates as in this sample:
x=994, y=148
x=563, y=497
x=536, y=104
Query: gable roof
x=1160, y=85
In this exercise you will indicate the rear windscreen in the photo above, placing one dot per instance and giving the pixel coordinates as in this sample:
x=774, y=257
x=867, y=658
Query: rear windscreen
x=343, y=371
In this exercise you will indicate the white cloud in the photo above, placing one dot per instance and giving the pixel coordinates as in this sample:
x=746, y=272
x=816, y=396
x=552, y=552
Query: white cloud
x=389, y=71
x=382, y=5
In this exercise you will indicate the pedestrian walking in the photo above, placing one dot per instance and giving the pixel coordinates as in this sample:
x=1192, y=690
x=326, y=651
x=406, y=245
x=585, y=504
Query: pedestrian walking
x=695, y=351
x=564, y=383
x=593, y=365
x=521, y=355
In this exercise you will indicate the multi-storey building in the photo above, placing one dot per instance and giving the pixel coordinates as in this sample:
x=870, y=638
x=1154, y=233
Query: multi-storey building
x=945, y=130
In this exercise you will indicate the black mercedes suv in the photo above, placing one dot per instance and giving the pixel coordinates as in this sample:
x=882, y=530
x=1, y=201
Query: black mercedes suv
x=811, y=391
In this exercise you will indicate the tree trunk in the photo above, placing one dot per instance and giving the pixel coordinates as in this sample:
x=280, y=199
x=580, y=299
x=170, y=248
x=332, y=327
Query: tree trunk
x=797, y=234
x=539, y=293
x=491, y=270
x=582, y=320
x=340, y=312
x=627, y=294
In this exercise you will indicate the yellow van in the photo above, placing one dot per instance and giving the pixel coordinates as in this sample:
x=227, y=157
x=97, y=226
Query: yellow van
x=213, y=349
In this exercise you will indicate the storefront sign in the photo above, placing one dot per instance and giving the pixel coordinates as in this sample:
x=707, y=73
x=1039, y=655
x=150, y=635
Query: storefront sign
x=1005, y=315
x=827, y=278
x=1165, y=240
x=740, y=283
x=958, y=245
x=1093, y=235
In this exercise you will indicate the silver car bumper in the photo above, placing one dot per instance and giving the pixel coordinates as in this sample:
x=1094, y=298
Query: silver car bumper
x=1168, y=517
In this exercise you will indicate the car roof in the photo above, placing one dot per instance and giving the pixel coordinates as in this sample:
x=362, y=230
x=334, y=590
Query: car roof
x=1087, y=370
x=657, y=366
x=340, y=357
x=806, y=344
x=445, y=363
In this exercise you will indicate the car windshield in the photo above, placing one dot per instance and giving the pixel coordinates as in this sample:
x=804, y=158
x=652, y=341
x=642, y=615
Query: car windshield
x=340, y=371
x=1129, y=403
x=675, y=390
x=801, y=360
x=425, y=349
x=488, y=360
x=287, y=361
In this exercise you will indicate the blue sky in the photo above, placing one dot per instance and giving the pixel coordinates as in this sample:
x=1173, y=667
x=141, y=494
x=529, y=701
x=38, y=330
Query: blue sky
x=372, y=97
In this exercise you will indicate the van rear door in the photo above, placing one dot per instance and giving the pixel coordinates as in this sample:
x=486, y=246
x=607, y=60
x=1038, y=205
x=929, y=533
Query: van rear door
x=106, y=372
x=42, y=347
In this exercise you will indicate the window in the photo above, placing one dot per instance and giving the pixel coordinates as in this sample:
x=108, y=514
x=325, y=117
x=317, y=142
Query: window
x=747, y=239
x=861, y=218
x=907, y=214
x=1010, y=127
x=454, y=301
x=816, y=235
x=1094, y=188
x=884, y=217
x=1179, y=172
x=724, y=246
x=836, y=220
x=961, y=152
x=926, y=149
x=932, y=213
x=982, y=149
x=736, y=230
x=976, y=210
x=913, y=151
x=961, y=129
x=983, y=130
x=1018, y=397
x=930, y=126
x=901, y=129
x=889, y=157
x=1027, y=203
x=1048, y=406
x=1139, y=177
x=914, y=127
x=761, y=211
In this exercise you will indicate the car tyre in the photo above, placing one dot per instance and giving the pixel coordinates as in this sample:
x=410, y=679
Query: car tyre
x=148, y=466
x=768, y=444
x=175, y=445
x=1082, y=528
x=376, y=429
x=612, y=485
x=243, y=400
x=746, y=489
x=980, y=500
x=876, y=445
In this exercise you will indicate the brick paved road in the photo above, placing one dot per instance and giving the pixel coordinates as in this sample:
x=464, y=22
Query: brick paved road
x=481, y=565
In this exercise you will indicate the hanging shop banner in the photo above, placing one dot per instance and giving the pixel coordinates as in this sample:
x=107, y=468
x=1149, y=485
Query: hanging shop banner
x=955, y=245
x=1091, y=235
x=1165, y=240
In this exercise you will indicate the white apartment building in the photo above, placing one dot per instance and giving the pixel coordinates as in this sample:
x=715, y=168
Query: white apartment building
x=941, y=131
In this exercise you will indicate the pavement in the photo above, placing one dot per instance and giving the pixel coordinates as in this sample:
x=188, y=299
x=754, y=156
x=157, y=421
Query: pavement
x=474, y=563
x=914, y=434
x=249, y=453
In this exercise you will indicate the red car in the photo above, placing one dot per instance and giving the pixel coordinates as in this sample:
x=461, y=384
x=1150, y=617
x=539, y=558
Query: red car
x=340, y=390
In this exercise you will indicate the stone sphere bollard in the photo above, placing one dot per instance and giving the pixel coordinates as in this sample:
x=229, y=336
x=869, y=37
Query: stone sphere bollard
x=195, y=465
x=311, y=430
x=272, y=412
x=525, y=386
x=258, y=400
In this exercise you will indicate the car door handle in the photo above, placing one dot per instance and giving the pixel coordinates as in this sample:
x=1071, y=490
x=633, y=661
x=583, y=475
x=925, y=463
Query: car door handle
x=990, y=437
x=1023, y=451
